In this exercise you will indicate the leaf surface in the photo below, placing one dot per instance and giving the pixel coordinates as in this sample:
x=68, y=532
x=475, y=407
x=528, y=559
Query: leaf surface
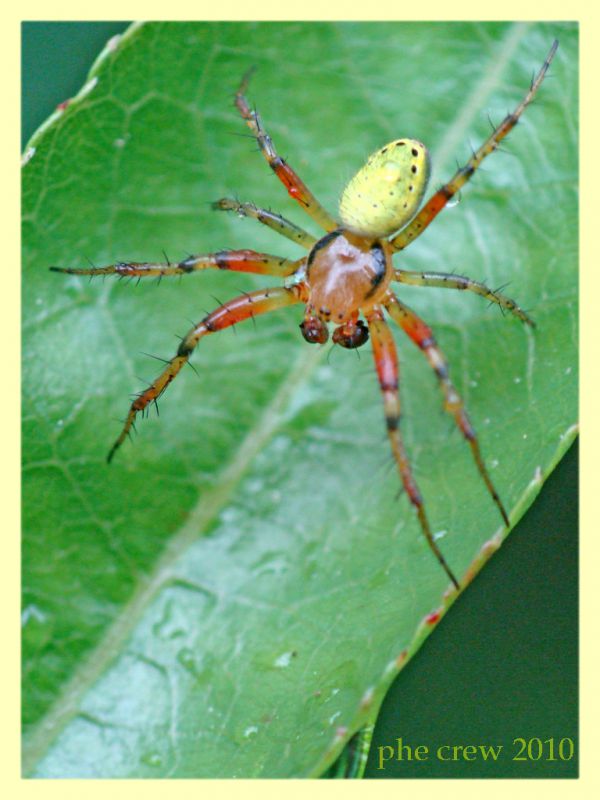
x=235, y=593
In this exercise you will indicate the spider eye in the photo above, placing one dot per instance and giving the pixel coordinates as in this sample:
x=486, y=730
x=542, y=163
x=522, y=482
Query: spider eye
x=386, y=193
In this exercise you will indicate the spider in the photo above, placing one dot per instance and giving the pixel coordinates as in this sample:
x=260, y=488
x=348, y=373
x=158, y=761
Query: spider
x=346, y=273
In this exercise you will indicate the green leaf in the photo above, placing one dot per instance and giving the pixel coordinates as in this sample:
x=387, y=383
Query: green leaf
x=235, y=593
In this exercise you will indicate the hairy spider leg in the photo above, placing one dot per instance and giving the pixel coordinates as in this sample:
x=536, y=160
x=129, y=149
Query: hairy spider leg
x=386, y=364
x=439, y=200
x=269, y=218
x=422, y=335
x=234, y=260
x=447, y=280
x=241, y=308
x=294, y=185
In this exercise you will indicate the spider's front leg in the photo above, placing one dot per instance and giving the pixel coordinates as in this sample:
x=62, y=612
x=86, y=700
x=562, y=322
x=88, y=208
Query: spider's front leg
x=241, y=308
x=441, y=198
x=386, y=364
x=234, y=260
x=422, y=335
x=295, y=186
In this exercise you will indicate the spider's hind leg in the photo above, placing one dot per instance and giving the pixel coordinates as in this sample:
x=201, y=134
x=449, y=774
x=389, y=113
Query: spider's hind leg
x=295, y=186
x=441, y=198
x=422, y=335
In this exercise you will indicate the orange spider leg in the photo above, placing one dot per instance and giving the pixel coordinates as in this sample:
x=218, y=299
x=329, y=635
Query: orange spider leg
x=422, y=335
x=386, y=364
x=294, y=185
x=269, y=218
x=439, y=200
x=446, y=280
x=235, y=260
x=241, y=308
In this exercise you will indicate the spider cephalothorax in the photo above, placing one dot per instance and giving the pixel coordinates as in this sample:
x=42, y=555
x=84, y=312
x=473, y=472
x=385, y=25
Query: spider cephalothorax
x=346, y=274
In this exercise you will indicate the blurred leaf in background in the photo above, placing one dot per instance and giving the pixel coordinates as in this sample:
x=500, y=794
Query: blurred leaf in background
x=234, y=595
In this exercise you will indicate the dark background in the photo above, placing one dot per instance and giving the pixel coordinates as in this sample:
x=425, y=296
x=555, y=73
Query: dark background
x=474, y=681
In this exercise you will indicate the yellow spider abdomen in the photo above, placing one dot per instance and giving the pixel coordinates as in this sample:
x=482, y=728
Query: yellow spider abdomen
x=387, y=192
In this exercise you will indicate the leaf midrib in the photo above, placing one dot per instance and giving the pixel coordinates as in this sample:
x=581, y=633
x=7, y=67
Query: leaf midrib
x=199, y=518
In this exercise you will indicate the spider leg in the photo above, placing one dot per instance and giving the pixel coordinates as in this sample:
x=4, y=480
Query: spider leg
x=274, y=221
x=422, y=335
x=234, y=260
x=439, y=200
x=294, y=185
x=446, y=280
x=386, y=364
x=241, y=308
